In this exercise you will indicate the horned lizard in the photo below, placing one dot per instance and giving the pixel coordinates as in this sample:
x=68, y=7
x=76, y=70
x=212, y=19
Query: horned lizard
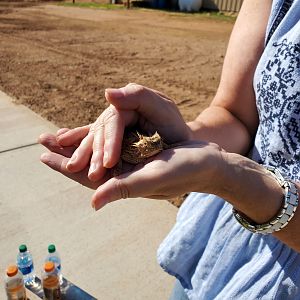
x=137, y=148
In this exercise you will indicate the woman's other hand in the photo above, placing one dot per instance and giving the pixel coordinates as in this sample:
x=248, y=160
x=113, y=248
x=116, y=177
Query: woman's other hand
x=193, y=166
x=132, y=105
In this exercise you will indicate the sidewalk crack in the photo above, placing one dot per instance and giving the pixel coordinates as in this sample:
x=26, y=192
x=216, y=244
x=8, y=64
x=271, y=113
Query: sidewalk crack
x=19, y=147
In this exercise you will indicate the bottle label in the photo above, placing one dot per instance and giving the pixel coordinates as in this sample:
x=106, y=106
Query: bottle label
x=51, y=288
x=52, y=294
x=26, y=270
x=16, y=293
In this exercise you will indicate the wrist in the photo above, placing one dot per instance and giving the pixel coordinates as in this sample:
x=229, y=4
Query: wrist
x=283, y=216
x=250, y=188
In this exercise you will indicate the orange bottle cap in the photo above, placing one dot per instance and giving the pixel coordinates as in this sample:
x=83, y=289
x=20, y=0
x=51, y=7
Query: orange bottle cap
x=12, y=270
x=49, y=266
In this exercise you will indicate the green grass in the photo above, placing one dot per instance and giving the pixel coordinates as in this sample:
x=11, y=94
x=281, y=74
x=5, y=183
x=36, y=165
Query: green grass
x=91, y=5
x=218, y=16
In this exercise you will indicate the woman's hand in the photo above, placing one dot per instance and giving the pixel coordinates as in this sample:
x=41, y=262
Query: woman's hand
x=59, y=156
x=132, y=105
x=193, y=166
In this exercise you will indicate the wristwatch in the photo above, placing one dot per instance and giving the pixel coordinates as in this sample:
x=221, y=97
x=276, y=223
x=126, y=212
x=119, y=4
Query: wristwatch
x=286, y=213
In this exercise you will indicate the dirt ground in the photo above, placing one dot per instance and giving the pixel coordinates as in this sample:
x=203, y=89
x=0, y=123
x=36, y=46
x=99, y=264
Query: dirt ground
x=58, y=60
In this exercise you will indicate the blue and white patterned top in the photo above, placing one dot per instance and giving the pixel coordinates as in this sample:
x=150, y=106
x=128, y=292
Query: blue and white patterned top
x=207, y=249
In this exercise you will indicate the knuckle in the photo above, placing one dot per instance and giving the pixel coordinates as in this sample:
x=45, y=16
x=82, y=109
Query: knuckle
x=131, y=84
x=122, y=189
x=136, y=88
x=109, y=114
x=106, y=117
x=99, y=125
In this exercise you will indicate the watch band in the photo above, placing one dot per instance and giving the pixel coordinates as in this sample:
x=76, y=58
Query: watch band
x=286, y=213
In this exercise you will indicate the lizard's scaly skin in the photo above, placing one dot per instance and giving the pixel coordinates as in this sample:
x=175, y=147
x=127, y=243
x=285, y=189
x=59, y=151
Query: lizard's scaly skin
x=136, y=148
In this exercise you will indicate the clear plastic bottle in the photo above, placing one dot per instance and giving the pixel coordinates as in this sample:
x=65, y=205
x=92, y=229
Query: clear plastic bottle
x=54, y=256
x=14, y=284
x=50, y=282
x=25, y=265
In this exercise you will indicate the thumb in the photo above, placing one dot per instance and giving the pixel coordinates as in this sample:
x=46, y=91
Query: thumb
x=156, y=109
x=128, y=185
x=135, y=97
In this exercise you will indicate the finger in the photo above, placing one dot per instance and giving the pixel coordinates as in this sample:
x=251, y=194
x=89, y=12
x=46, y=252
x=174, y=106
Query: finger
x=97, y=169
x=49, y=141
x=58, y=163
x=109, y=131
x=73, y=136
x=61, y=131
x=139, y=98
x=81, y=157
x=134, y=94
x=132, y=184
x=155, y=109
x=113, y=135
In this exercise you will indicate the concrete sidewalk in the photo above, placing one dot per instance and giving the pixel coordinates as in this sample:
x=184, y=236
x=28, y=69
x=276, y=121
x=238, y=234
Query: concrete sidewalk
x=110, y=254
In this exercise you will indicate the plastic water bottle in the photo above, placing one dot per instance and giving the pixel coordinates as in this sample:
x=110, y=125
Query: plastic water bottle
x=25, y=265
x=14, y=284
x=54, y=256
x=50, y=282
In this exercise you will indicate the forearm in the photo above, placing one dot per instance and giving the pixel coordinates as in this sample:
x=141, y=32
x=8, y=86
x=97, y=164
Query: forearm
x=242, y=182
x=231, y=121
x=255, y=193
x=216, y=124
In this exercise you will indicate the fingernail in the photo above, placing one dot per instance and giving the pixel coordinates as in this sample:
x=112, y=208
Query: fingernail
x=44, y=157
x=72, y=160
x=40, y=138
x=93, y=168
x=93, y=206
x=105, y=158
x=116, y=93
x=58, y=139
x=96, y=208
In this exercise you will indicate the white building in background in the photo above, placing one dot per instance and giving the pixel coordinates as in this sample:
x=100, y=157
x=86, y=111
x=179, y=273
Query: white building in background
x=190, y=5
x=221, y=5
